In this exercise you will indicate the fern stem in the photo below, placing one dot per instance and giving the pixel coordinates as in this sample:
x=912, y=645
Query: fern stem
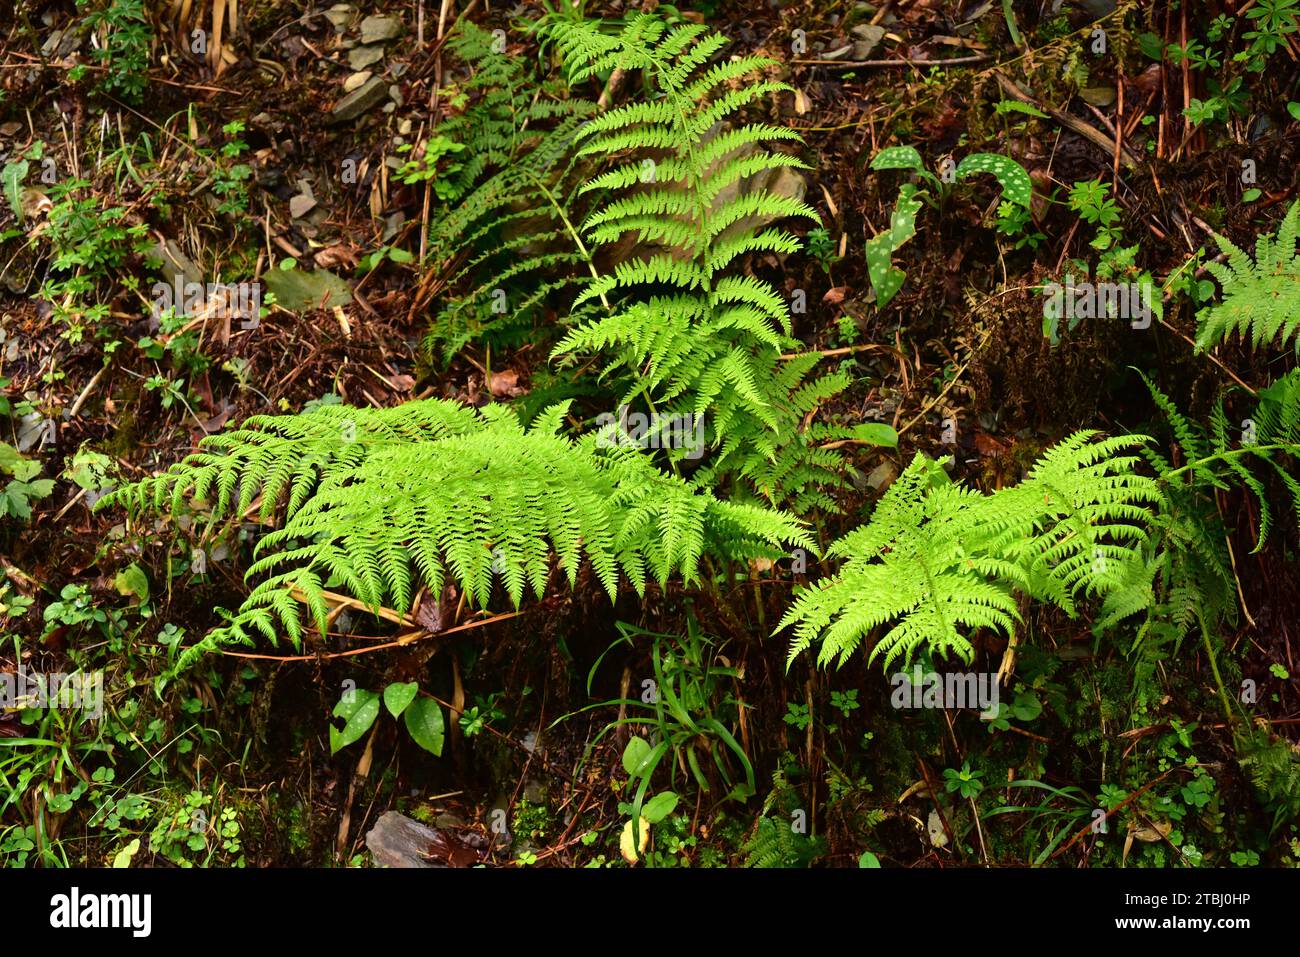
x=564, y=218
x=1224, y=456
x=1218, y=678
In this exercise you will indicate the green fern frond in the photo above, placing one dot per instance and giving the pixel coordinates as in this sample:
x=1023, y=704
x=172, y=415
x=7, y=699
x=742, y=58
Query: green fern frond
x=938, y=560
x=514, y=197
x=686, y=332
x=1260, y=298
x=432, y=491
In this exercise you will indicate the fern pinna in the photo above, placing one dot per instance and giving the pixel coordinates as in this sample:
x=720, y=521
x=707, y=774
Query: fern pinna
x=938, y=559
x=511, y=194
x=691, y=336
x=384, y=502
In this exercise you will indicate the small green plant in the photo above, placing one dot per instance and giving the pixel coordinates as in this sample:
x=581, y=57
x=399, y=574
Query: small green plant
x=124, y=36
x=687, y=705
x=886, y=279
x=965, y=782
x=1091, y=200
x=23, y=487
x=421, y=715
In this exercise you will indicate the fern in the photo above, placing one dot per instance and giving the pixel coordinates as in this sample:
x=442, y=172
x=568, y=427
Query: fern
x=775, y=840
x=689, y=335
x=1260, y=300
x=1183, y=574
x=386, y=502
x=1273, y=764
x=938, y=559
x=514, y=189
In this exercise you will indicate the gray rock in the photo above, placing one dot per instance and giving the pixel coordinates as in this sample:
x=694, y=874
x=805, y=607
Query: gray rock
x=868, y=37
x=882, y=476
x=365, y=56
x=300, y=206
x=380, y=29
x=176, y=263
x=398, y=841
x=341, y=15
x=361, y=100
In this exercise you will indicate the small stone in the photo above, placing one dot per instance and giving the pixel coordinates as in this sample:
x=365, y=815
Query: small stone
x=868, y=38
x=300, y=206
x=341, y=15
x=379, y=29
x=882, y=476
x=404, y=128
x=395, y=94
x=839, y=54
x=361, y=100
x=365, y=56
x=355, y=80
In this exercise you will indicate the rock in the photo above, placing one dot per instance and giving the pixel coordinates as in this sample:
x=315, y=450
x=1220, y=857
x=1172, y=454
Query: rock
x=868, y=38
x=355, y=80
x=398, y=841
x=175, y=263
x=341, y=15
x=376, y=29
x=301, y=205
x=395, y=94
x=361, y=100
x=839, y=54
x=299, y=291
x=364, y=56
x=934, y=828
x=882, y=476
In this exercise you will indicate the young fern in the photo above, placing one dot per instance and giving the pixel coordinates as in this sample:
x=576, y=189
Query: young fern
x=514, y=182
x=690, y=335
x=431, y=491
x=938, y=559
x=1260, y=299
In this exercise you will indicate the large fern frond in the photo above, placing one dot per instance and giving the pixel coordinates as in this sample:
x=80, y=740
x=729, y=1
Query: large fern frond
x=937, y=560
x=433, y=491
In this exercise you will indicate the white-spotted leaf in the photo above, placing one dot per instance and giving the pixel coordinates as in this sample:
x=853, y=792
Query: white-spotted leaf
x=1017, y=187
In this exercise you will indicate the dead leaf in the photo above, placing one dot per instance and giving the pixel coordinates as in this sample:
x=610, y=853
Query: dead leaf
x=630, y=853
x=505, y=384
x=340, y=254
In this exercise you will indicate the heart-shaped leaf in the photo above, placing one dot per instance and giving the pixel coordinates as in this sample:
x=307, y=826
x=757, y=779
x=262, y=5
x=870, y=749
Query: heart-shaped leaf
x=398, y=695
